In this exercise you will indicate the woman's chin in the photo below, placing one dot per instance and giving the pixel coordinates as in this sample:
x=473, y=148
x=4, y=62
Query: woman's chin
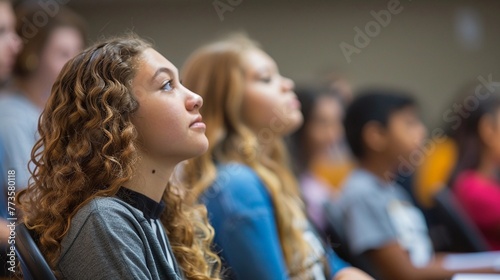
x=201, y=147
x=294, y=123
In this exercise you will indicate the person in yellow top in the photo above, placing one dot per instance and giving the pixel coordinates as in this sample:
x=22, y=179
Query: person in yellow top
x=435, y=171
x=321, y=158
x=334, y=166
x=333, y=171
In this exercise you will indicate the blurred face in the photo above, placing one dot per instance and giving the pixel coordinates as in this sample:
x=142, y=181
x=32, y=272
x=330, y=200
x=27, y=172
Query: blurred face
x=10, y=43
x=325, y=125
x=489, y=131
x=405, y=132
x=344, y=89
x=269, y=101
x=63, y=44
x=168, y=120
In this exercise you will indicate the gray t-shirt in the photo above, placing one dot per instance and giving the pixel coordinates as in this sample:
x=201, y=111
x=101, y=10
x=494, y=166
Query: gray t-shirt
x=110, y=239
x=373, y=213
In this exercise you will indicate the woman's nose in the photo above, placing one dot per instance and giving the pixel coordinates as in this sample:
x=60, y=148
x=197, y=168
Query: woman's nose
x=287, y=84
x=194, y=101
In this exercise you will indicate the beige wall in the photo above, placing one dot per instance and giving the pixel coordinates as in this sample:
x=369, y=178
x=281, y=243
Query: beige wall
x=417, y=50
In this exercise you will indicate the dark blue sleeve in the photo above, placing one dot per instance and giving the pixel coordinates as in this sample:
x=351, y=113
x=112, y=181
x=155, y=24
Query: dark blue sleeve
x=336, y=263
x=242, y=215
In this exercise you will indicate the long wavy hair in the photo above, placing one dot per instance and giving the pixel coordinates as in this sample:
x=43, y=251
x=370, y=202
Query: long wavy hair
x=216, y=72
x=88, y=148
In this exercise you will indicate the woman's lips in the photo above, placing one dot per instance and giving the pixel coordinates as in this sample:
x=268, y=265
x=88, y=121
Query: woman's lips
x=295, y=104
x=198, y=123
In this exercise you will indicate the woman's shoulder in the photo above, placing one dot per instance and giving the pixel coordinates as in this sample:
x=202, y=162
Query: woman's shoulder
x=106, y=211
x=236, y=169
x=237, y=186
x=108, y=204
x=104, y=217
x=469, y=181
x=237, y=174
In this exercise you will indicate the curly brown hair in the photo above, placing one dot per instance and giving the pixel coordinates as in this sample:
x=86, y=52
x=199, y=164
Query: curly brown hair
x=88, y=149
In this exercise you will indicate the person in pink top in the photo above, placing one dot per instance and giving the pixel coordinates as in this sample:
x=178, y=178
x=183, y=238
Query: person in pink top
x=476, y=179
x=480, y=197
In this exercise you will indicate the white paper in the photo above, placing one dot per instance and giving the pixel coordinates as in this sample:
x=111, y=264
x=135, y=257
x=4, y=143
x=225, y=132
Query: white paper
x=476, y=277
x=473, y=261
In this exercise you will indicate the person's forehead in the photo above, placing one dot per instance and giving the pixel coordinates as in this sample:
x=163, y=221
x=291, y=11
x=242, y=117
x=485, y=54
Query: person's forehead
x=151, y=65
x=327, y=103
x=402, y=113
x=153, y=59
x=258, y=60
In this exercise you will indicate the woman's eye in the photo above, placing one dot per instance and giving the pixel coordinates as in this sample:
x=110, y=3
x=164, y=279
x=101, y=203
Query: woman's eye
x=265, y=79
x=167, y=86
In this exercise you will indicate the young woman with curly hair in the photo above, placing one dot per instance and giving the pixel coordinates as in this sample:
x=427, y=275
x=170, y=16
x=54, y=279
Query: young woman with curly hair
x=116, y=124
x=253, y=200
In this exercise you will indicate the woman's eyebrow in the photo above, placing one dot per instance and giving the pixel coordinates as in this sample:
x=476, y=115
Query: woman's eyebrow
x=160, y=70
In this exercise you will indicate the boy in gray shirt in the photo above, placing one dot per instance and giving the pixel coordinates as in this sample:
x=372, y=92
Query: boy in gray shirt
x=380, y=223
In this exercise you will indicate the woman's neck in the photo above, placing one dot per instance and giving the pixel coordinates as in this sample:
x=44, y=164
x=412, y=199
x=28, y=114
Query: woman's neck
x=322, y=155
x=487, y=166
x=151, y=178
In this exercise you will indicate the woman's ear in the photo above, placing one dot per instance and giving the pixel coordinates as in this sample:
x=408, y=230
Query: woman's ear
x=374, y=136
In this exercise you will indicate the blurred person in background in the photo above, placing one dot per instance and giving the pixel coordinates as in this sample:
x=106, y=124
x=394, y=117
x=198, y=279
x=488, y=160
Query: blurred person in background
x=436, y=169
x=44, y=53
x=253, y=200
x=318, y=145
x=335, y=168
x=341, y=85
x=10, y=43
x=46, y=50
x=475, y=180
x=379, y=220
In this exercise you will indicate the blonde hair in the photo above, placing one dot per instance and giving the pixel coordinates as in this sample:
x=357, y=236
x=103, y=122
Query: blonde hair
x=216, y=72
x=88, y=148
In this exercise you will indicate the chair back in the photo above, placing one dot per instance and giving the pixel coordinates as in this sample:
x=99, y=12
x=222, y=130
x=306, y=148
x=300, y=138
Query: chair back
x=33, y=264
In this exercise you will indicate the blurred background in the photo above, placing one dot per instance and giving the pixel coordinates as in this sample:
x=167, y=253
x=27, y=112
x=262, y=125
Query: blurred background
x=430, y=47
